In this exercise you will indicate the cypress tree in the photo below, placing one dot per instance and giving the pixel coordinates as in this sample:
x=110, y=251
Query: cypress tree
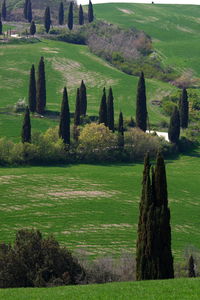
x=29, y=12
x=81, y=15
x=1, y=26
x=110, y=110
x=174, y=126
x=64, y=126
x=121, y=131
x=25, y=9
x=191, y=267
x=32, y=90
x=32, y=28
x=184, y=109
x=90, y=12
x=61, y=14
x=70, y=16
x=4, y=10
x=41, y=88
x=103, y=109
x=77, y=114
x=47, y=19
x=141, y=107
x=26, y=128
x=83, y=98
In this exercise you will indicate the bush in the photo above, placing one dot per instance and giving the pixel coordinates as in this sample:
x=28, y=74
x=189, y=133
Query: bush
x=20, y=106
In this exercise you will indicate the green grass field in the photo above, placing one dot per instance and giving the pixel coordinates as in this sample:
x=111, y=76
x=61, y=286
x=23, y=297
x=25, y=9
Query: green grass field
x=177, y=289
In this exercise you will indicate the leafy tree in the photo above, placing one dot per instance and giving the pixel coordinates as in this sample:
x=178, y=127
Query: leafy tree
x=191, y=267
x=61, y=14
x=83, y=98
x=110, y=110
x=70, y=16
x=90, y=12
x=184, y=109
x=153, y=256
x=32, y=90
x=64, y=126
x=174, y=126
x=121, y=131
x=47, y=19
x=141, y=107
x=4, y=10
x=103, y=109
x=1, y=26
x=77, y=114
x=25, y=8
x=81, y=15
x=29, y=12
x=41, y=88
x=32, y=28
x=26, y=128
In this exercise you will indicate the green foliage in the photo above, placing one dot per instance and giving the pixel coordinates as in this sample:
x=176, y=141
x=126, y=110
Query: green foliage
x=26, y=127
x=110, y=110
x=81, y=15
x=33, y=28
x=103, y=109
x=121, y=131
x=141, y=107
x=83, y=99
x=41, y=88
x=70, y=16
x=64, y=126
x=47, y=19
x=61, y=14
x=174, y=126
x=4, y=10
x=77, y=114
x=32, y=90
x=29, y=11
x=1, y=26
x=191, y=267
x=90, y=12
x=25, y=8
x=184, y=109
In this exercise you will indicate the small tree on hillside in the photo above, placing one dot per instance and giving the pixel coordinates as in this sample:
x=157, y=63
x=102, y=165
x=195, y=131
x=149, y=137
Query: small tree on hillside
x=70, y=16
x=174, y=126
x=103, y=109
x=61, y=14
x=32, y=28
x=83, y=98
x=64, y=126
x=47, y=19
x=81, y=15
x=4, y=10
x=90, y=12
x=1, y=26
x=184, y=109
x=29, y=12
x=26, y=128
x=41, y=88
x=191, y=267
x=25, y=9
x=32, y=90
x=141, y=107
x=121, y=131
x=110, y=110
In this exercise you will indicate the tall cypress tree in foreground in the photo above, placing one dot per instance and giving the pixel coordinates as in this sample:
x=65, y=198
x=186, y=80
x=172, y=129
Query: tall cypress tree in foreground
x=25, y=8
x=64, y=126
x=32, y=28
x=174, y=126
x=154, y=257
x=70, y=16
x=1, y=26
x=103, y=109
x=81, y=15
x=4, y=10
x=41, y=88
x=47, y=19
x=184, y=109
x=121, y=131
x=191, y=267
x=83, y=98
x=77, y=114
x=32, y=90
x=110, y=110
x=61, y=14
x=26, y=128
x=29, y=12
x=90, y=12
x=141, y=106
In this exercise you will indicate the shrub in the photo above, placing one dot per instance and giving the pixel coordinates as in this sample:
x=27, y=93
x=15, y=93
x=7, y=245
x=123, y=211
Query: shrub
x=20, y=106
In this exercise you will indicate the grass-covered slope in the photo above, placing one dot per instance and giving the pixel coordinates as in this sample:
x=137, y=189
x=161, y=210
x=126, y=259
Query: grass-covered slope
x=173, y=28
x=177, y=289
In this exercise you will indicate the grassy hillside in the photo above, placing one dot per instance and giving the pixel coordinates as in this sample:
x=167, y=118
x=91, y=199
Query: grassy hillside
x=174, y=29
x=177, y=289
x=95, y=208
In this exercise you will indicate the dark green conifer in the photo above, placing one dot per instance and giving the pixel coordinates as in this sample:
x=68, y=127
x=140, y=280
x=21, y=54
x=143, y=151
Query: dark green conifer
x=83, y=98
x=81, y=15
x=47, y=19
x=191, y=267
x=70, y=16
x=90, y=12
x=32, y=28
x=4, y=10
x=64, y=126
x=141, y=107
x=32, y=90
x=1, y=26
x=25, y=9
x=174, y=126
x=110, y=110
x=29, y=12
x=26, y=128
x=103, y=109
x=77, y=114
x=41, y=88
x=121, y=131
x=184, y=109
x=61, y=14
